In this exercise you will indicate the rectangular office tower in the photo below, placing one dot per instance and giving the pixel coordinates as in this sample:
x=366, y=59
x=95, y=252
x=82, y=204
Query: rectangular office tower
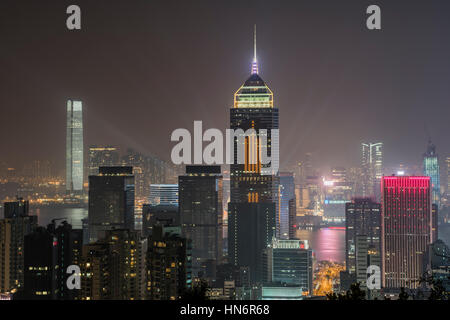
x=362, y=234
x=289, y=262
x=406, y=229
x=286, y=213
x=13, y=229
x=74, y=147
x=372, y=168
x=111, y=201
x=431, y=169
x=200, y=205
x=102, y=156
x=254, y=185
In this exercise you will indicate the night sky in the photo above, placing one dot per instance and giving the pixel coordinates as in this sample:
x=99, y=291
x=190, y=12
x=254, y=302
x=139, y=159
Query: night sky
x=145, y=68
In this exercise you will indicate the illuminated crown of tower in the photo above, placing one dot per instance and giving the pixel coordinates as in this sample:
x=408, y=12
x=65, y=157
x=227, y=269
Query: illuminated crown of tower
x=254, y=93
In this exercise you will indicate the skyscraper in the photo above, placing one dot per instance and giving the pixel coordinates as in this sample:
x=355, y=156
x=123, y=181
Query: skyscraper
x=406, y=229
x=448, y=179
x=431, y=169
x=200, y=205
x=102, y=156
x=362, y=218
x=287, y=193
x=74, y=147
x=111, y=201
x=372, y=168
x=253, y=185
x=289, y=262
x=337, y=192
x=15, y=209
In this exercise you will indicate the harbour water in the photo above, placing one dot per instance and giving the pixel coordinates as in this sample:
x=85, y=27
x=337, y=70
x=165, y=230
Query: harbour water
x=327, y=243
x=73, y=215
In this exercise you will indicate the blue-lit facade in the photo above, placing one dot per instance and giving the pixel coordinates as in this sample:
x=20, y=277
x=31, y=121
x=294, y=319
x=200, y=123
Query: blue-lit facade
x=164, y=194
x=431, y=169
x=74, y=147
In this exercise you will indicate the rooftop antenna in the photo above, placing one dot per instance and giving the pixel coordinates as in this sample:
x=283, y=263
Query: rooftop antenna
x=255, y=61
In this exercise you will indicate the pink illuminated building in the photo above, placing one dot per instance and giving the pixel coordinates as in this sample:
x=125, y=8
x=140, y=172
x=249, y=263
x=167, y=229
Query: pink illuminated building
x=406, y=229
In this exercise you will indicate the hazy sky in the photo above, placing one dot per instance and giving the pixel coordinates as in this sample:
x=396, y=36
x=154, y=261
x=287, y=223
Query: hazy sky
x=145, y=68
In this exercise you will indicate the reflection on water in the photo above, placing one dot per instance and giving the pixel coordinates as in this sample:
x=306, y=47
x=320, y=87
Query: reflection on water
x=72, y=215
x=327, y=243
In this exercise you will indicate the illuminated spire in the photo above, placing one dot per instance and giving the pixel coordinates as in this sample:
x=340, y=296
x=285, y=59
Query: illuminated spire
x=255, y=61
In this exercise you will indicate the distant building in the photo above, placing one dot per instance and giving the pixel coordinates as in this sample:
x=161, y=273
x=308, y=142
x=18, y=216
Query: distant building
x=74, y=147
x=337, y=192
x=111, y=201
x=147, y=169
x=102, y=156
x=287, y=193
x=15, y=209
x=164, y=194
x=13, y=229
x=431, y=169
x=406, y=229
x=372, y=168
x=168, y=264
x=289, y=262
x=163, y=215
x=200, y=205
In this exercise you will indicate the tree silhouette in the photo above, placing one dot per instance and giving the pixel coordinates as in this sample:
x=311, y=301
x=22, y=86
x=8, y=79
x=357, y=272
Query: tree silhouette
x=437, y=289
x=403, y=294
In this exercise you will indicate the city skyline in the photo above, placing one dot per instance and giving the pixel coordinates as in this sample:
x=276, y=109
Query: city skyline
x=318, y=96
x=328, y=193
